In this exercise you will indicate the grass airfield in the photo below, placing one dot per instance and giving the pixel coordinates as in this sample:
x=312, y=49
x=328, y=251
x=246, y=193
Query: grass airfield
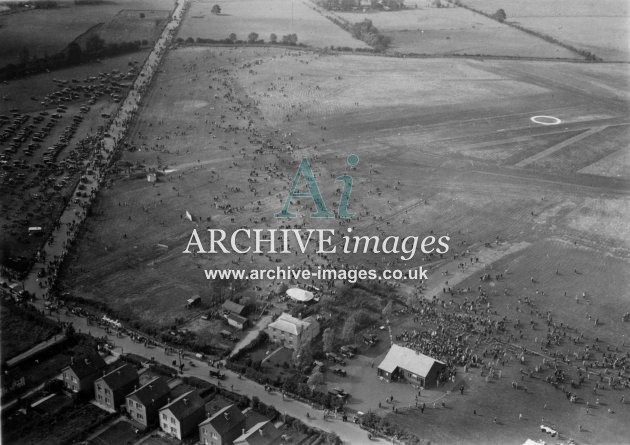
x=439, y=142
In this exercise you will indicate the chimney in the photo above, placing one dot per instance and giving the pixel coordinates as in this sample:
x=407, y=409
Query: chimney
x=150, y=387
x=185, y=401
x=242, y=431
x=72, y=360
x=227, y=415
x=260, y=431
x=135, y=387
x=87, y=361
x=168, y=400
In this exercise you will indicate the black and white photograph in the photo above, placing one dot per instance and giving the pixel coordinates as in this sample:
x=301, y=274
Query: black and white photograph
x=315, y=222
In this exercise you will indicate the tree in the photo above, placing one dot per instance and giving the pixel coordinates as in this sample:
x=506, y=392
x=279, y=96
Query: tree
x=94, y=44
x=302, y=356
x=273, y=38
x=232, y=38
x=216, y=9
x=290, y=39
x=316, y=379
x=74, y=53
x=328, y=338
x=252, y=37
x=349, y=327
x=500, y=15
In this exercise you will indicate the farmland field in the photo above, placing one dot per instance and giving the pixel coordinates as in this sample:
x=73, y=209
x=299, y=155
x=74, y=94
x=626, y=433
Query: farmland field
x=455, y=31
x=600, y=27
x=264, y=17
x=33, y=29
x=129, y=26
x=456, y=134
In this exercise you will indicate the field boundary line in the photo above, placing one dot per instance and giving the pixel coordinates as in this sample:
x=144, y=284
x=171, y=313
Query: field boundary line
x=559, y=146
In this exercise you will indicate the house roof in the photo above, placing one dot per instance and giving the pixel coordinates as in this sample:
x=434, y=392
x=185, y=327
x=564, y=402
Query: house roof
x=408, y=359
x=290, y=324
x=84, y=366
x=185, y=405
x=231, y=306
x=263, y=433
x=237, y=318
x=151, y=392
x=120, y=377
x=225, y=420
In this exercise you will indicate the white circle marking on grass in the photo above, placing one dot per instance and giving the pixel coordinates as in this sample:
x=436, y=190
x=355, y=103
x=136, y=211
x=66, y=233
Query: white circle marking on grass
x=545, y=120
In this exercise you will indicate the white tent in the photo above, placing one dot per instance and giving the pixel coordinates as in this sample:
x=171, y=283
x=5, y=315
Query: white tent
x=301, y=295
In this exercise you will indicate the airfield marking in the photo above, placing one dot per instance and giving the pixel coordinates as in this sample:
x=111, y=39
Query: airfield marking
x=545, y=120
x=559, y=146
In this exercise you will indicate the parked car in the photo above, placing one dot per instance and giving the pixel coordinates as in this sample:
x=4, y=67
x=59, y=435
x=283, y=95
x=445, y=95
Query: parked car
x=216, y=374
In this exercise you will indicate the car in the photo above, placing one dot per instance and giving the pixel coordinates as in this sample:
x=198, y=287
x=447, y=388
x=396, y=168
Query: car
x=216, y=374
x=339, y=371
x=338, y=392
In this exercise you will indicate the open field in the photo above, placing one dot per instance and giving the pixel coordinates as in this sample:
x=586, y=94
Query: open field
x=129, y=25
x=227, y=127
x=600, y=27
x=455, y=31
x=264, y=17
x=48, y=31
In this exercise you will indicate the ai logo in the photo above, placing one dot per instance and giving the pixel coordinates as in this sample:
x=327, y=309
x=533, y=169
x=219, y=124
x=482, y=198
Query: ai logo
x=304, y=170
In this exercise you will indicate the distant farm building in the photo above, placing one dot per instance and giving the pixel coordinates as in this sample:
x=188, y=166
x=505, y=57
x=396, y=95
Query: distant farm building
x=402, y=363
x=236, y=321
x=231, y=307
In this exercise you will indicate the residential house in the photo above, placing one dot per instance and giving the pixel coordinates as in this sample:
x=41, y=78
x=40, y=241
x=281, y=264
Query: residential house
x=402, y=363
x=144, y=403
x=111, y=389
x=80, y=375
x=223, y=427
x=292, y=332
x=181, y=417
x=263, y=433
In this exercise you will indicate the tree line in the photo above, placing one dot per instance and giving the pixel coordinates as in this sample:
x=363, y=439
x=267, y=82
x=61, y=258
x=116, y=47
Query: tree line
x=74, y=54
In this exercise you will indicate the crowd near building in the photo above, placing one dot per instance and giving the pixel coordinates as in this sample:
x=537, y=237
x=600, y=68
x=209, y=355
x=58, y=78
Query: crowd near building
x=402, y=363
